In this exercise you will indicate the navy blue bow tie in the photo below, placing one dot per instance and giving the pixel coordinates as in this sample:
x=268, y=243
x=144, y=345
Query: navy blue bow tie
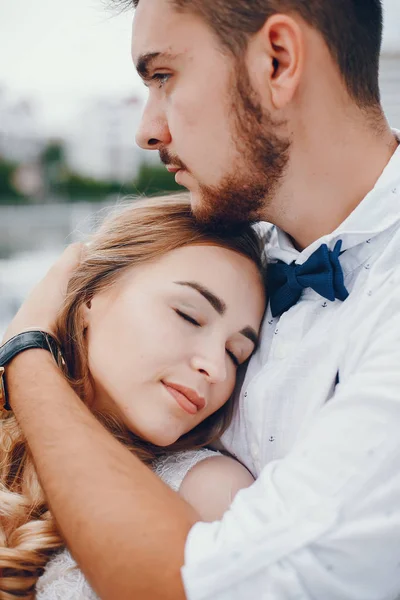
x=322, y=272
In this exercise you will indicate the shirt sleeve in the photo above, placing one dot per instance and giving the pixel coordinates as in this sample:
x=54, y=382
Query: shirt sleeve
x=324, y=522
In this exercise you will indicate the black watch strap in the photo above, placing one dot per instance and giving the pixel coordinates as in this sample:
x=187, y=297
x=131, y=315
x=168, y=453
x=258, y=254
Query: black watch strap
x=24, y=341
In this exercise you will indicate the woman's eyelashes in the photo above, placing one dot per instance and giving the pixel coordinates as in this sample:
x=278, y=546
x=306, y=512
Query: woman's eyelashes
x=186, y=317
x=193, y=321
x=233, y=358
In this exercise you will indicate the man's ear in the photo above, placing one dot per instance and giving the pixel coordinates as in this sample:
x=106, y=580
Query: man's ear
x=282, y=42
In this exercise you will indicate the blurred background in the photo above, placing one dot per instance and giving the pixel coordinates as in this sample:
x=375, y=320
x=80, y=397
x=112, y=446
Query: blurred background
x=70, y=103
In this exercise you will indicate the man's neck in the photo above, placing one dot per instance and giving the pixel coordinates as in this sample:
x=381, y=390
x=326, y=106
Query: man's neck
x=328, y=176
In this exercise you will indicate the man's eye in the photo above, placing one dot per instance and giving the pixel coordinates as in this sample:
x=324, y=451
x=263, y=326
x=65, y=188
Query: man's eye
x=187, y=318
x=233, y=358
x=161, y=78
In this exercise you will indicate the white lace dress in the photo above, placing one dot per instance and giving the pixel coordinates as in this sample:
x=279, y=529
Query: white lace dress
x=63, y=580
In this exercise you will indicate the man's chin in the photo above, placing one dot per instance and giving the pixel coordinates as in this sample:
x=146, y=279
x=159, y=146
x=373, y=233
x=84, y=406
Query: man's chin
x=198, y=204
x=201, y=210
x=227, y=207
x=195, y=201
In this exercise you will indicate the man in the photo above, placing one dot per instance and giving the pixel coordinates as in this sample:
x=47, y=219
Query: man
x=265, y=109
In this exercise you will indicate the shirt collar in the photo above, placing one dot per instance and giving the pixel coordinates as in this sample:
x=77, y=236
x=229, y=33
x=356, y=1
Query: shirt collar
x=378, y=212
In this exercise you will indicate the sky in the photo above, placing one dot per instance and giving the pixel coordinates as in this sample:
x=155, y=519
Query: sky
x=62, y=52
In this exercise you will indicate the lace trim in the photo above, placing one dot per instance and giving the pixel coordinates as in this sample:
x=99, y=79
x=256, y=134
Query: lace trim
x=173, y=468
x=63, y=580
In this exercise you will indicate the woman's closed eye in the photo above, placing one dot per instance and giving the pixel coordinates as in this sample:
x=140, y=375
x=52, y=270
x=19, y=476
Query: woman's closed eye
x=187, y=318
x=193, y=321
x=233, y=358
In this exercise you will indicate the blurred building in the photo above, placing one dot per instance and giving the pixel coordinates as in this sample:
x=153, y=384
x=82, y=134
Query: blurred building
x=390, y=63
x=99, y=137
x=390, y=85
x=101, y=143
x=21, y=135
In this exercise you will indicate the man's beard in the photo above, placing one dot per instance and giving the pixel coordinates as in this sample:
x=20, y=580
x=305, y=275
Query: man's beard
x=243, y=195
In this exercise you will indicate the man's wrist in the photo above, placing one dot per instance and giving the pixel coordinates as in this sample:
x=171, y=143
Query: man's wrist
x=23, y=370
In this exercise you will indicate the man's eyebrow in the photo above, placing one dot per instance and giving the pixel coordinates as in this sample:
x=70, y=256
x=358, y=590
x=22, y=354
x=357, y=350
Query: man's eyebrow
x=145, y=62
x=220, y=306
x=217, y=304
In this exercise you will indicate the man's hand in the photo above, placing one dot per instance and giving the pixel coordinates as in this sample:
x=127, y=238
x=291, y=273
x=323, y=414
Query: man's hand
x=41, y=308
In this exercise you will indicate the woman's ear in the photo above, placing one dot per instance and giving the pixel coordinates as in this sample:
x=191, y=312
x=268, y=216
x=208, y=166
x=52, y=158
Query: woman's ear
x=86, y=313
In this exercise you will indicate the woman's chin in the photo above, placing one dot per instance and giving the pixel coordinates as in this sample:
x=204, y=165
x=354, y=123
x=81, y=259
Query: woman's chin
x=158, y=432
x=159, y=439
x=156, y=436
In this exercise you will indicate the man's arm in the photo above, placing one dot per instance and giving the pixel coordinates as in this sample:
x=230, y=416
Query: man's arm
x=324, y=521
x=124, y=526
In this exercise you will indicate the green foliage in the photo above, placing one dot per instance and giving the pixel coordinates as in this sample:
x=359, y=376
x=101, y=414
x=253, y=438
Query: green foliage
x=67, y=186
x=7, y=191
x=153, y=180
x=77, y=188
x=54, y=152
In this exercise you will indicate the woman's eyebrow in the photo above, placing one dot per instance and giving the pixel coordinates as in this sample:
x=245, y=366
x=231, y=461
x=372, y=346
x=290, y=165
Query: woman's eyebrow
x=217, y=304
x=220, y=306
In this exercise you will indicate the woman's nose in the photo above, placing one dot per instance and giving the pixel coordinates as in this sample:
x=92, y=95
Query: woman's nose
x=211, y=365
x=153, y=131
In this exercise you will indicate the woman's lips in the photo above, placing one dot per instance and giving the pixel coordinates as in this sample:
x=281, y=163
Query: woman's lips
x=180, y=394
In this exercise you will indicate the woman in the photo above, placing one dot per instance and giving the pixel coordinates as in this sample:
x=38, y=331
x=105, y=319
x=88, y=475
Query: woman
x=158, y=318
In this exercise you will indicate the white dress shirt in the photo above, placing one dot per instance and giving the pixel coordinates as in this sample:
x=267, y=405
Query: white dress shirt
x=318, y=424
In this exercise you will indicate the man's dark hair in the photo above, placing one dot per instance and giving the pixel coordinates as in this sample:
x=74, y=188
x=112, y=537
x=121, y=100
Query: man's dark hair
x=352, y=30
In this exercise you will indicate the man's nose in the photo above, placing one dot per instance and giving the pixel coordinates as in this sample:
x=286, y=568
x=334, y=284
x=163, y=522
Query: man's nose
x=153, y=130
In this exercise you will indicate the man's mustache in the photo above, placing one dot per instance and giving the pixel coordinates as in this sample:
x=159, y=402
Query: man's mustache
x=169, y=159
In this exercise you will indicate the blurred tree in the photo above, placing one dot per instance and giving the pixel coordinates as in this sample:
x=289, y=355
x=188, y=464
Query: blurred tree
x=8, y=192
x=54, y=153
x=54, y=167
x=78, y=187
x=153, y=180
x=58, y=183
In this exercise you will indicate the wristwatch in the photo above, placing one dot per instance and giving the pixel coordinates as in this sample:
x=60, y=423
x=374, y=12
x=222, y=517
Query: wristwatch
x=19, y=343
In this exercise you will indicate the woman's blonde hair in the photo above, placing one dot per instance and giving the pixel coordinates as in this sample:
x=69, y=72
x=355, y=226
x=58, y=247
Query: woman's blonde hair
x=142, y=232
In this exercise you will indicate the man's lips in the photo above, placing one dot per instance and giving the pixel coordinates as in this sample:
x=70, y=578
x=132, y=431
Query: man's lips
x=172, y=169
x=187, y=398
